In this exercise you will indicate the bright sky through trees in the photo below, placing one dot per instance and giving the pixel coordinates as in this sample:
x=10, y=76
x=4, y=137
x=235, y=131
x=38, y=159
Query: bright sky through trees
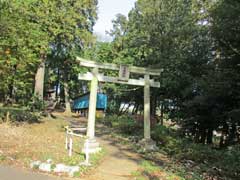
x=107, y=9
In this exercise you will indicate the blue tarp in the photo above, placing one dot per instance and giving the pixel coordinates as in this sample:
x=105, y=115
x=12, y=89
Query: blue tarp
x=83, y=102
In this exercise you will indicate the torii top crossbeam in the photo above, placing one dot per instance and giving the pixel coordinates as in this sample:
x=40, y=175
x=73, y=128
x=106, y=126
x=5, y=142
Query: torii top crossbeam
x=124, y=71
x=133, y=69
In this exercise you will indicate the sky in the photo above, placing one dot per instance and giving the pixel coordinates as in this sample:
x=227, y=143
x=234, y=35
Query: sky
x=107, y=10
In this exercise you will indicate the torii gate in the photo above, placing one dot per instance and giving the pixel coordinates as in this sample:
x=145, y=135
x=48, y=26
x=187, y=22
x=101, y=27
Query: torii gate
x=124, y=73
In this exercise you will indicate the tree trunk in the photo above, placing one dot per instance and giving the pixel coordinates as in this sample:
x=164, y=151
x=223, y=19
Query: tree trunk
x=223, y=139
x=136, y=109
x=232, y=134
x=127, y=109
x=11, y=89
x=66, y=94
x=153, y=106
x=57, y=84
x=203, y=135
x=39, y=80
x=121, y=109
x=210, y=136
x=161, y=116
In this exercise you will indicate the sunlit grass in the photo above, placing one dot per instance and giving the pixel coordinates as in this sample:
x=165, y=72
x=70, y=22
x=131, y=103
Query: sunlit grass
x=40, y=142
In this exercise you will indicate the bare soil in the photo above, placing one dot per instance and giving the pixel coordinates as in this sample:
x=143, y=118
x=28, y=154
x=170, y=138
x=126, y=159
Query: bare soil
x=38, y=141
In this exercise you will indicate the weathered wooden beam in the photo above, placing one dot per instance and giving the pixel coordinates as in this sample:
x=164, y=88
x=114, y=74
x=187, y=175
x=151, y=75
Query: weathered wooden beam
x=137, y=82
x=133, y=69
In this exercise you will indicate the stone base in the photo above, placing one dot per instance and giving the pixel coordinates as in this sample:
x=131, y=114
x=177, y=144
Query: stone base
x=91, y=146
x=148, y=145
x=84, y=164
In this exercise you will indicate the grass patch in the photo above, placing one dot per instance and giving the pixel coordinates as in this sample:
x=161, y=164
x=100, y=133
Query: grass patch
x=95, y=159
x=150, y=171
x=125, y=125
x=2, y=157
x=177, y=155
x=40, y=142
x=17, y=115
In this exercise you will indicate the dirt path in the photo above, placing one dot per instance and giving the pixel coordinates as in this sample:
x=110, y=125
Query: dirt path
x=118, y=163
x=10, y=173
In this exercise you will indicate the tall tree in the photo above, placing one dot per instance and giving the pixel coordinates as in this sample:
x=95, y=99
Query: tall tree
x=20, y=46
x=38, y=28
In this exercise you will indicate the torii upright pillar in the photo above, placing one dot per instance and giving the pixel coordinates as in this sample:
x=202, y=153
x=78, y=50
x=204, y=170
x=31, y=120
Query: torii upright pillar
x=147, y=123
x=91, y=143
x=147, y=143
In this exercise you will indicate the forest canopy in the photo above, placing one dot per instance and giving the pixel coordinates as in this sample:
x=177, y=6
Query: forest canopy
x=197, y=43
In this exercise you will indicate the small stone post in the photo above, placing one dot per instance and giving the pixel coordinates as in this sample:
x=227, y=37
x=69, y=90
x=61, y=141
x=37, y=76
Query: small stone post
x=87, y=153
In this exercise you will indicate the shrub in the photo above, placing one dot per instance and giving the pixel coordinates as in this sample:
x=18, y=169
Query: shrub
x=35, y=104
x=125, y=124
x=18, y=115
x=128, y=125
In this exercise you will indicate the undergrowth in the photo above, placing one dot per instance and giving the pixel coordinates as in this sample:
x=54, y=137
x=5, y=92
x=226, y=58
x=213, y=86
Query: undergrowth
x=17, y=115
x=187, y=160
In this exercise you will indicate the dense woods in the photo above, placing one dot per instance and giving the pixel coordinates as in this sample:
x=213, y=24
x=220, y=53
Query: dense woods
x=196, y=43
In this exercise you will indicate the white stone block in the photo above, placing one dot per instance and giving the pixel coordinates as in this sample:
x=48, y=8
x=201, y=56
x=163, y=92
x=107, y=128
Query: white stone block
x=72, y=170
x=49, y=161
x=61, y=168
x=35, y=164
x=46, y=167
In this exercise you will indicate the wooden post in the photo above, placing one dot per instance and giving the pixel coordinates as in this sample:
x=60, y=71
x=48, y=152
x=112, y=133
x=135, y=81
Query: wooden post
x=147, y=107
x=70, y=146
x=87, y=152
x=92, y=105
x=66, y=141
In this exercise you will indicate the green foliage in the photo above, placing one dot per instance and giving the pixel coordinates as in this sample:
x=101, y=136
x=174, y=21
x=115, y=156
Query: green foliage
x=197, y=45
x=125, y=124
x=21, y=41
x=150, y=171
x=196, y=158
x=18, y=115
x=36, y=30
x=36, y=104
x=2, y=157
x=166, y=139
x=74, y=160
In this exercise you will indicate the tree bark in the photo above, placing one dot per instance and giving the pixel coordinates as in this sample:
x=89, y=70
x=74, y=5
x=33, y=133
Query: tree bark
x=232, y=134
x=39, y=80
x=57, y=84
x=203, y=135
x=66, y=94
x=223, y=139
x=127, y=109
x=136, y=109
x=153, y=105
x=210, y=136
x=161, y=116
